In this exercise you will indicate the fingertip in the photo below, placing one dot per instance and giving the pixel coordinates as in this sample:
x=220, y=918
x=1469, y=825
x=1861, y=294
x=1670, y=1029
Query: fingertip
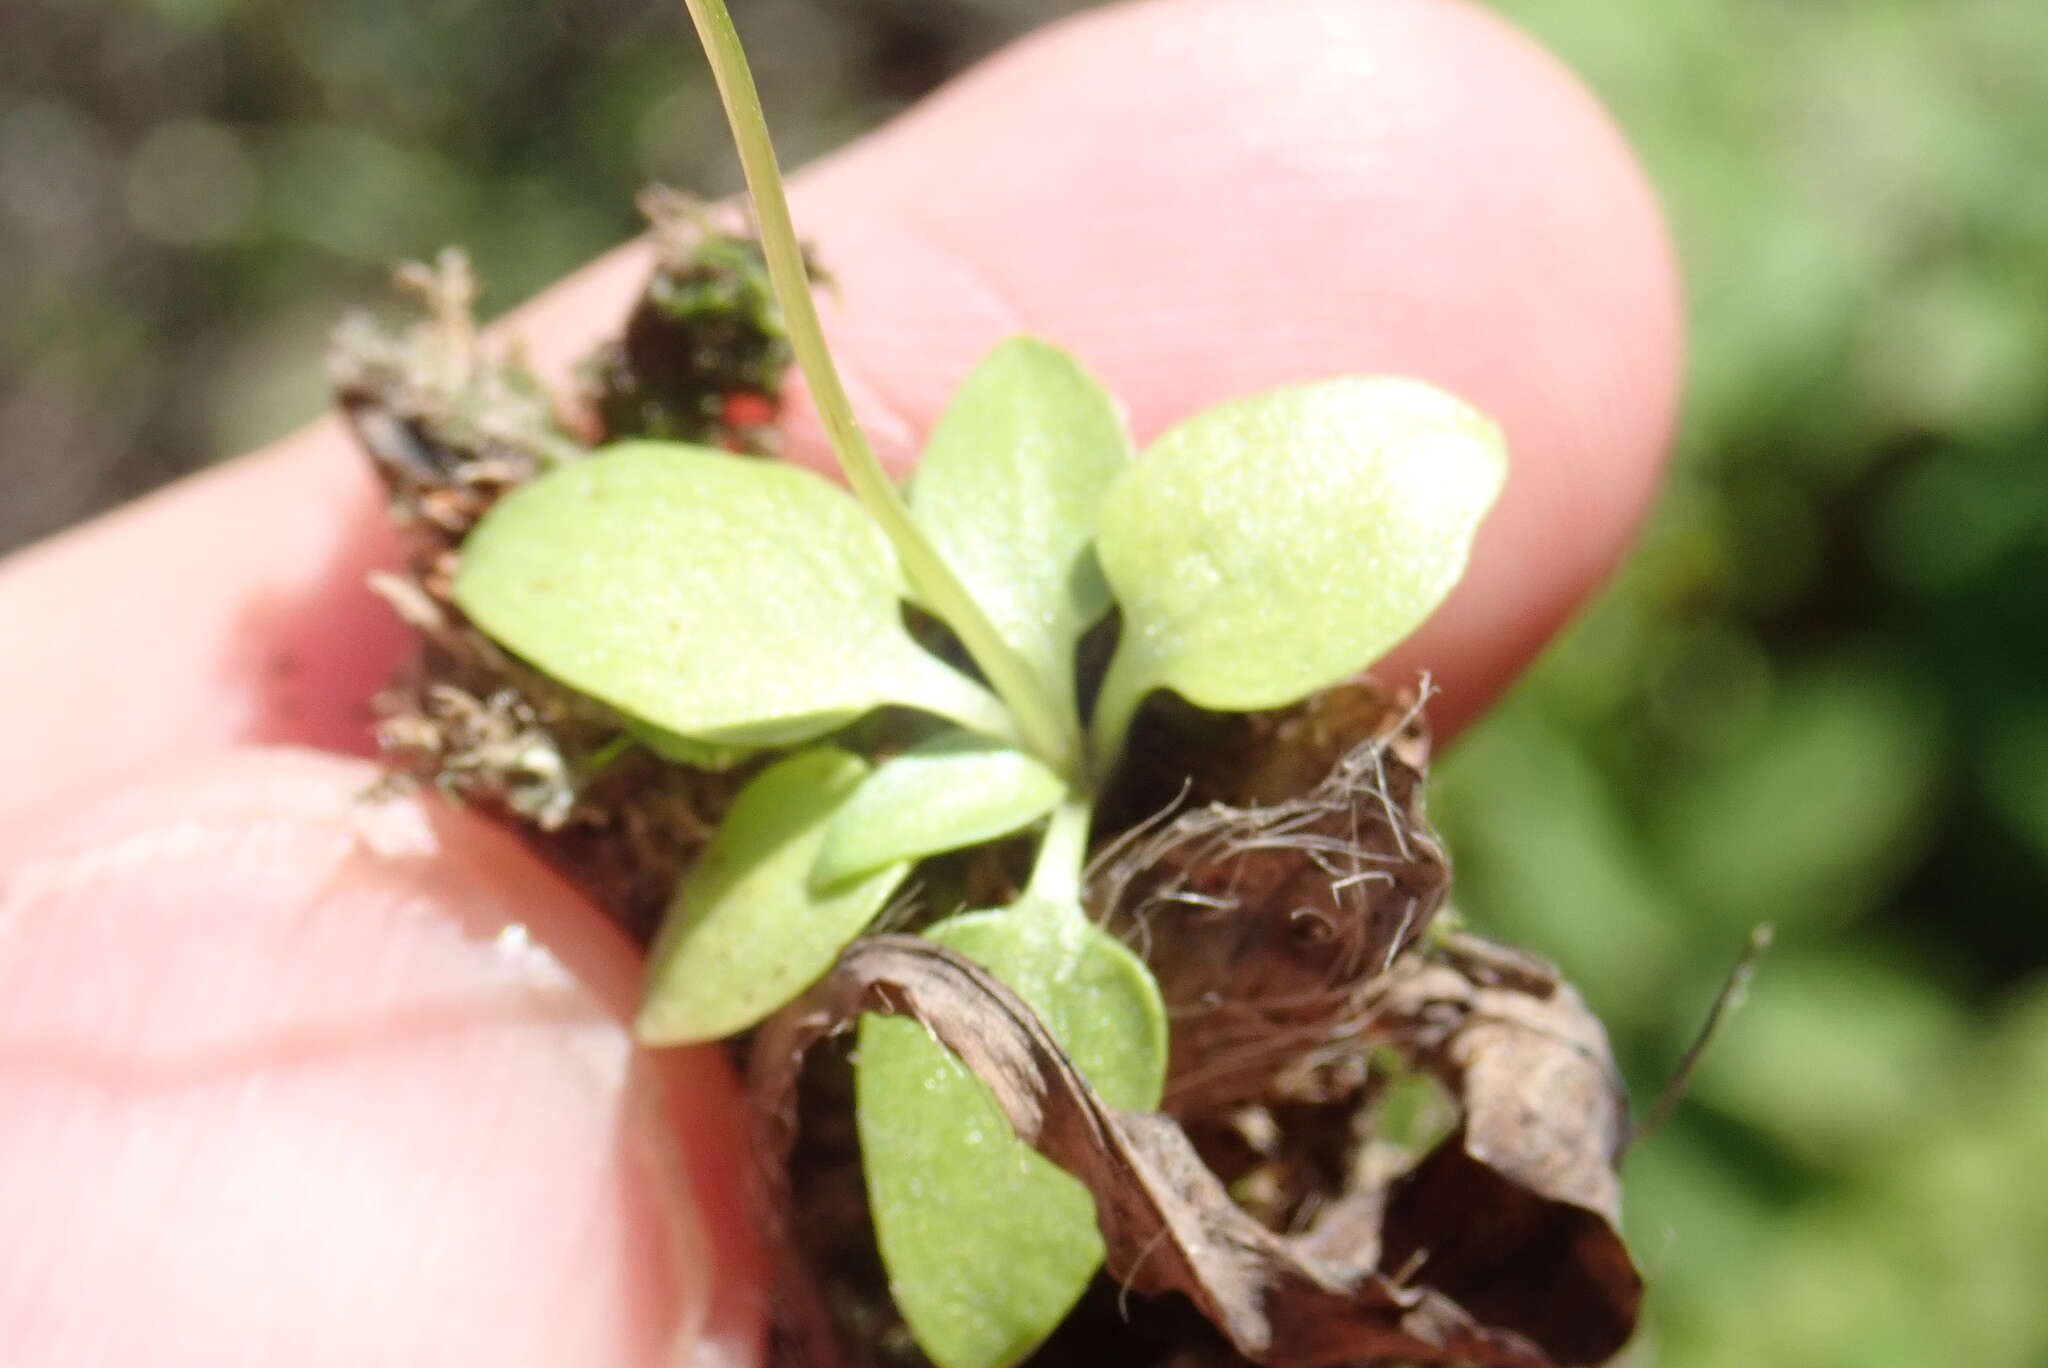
x=1202, y=198
x=1206, y=198
x=293, y=1077
x=230, y=606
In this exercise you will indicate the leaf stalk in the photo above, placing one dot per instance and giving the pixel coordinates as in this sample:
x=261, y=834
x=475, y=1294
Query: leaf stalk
x=1056, y=874
x=1043, y=725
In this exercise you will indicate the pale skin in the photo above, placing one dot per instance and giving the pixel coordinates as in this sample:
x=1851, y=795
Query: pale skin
x=283, y=1079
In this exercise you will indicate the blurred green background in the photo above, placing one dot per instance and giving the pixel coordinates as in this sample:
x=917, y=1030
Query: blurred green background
x=1818, y=697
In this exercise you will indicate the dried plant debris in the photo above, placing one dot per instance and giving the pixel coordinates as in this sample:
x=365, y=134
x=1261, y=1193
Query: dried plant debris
x=1499, y=1248
x=1266, y=912
x=447, y=427
x=1385, y=1146
x=704, y=352
x=451, y=425
x=1515, y=1217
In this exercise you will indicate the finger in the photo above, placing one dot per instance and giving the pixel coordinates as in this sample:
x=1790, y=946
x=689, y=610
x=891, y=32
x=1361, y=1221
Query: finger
x=1201, y=197
x=1246, y=196
x=293, y=1079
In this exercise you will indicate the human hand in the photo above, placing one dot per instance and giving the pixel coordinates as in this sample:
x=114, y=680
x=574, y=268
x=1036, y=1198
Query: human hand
x=287, y=1079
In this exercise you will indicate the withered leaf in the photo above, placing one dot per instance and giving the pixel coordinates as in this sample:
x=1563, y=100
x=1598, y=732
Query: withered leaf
x=1516, y=1215
x=1293, y=1301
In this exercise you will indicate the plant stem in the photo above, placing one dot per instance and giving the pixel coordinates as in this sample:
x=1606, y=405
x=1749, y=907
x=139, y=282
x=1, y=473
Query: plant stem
x=1042, y=724
x=1056, y=874
x=601, y=759
x=1116, y=706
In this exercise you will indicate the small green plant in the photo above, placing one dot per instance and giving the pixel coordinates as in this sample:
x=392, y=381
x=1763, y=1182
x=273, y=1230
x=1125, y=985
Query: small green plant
x=1255, y=554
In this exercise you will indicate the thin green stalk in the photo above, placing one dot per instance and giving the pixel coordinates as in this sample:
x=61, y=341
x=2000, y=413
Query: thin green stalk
x=601, y=759
x=1116, y=706
x=1054, y=740
x=1062, y=855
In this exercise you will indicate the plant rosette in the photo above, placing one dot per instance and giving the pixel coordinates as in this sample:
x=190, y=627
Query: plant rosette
x=1256, y=554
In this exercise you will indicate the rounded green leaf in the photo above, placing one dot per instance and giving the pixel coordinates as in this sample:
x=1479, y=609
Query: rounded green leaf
x=1278, y=544
x=686, y=750
x=988, y=1245
x=1008, y=491
x=745, y=934
x=715, y=596
x=954, y=790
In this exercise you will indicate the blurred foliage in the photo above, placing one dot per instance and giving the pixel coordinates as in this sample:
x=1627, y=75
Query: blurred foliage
x=192, y=191
x=1818, y=695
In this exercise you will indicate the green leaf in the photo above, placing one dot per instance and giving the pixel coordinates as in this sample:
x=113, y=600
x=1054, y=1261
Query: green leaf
x=686, y=750
x=1035, y=715
x=988, y=1245
x=715, y=596
x=954, y=790
x=1008, y=491
x=745, y=934
x=1276, y=545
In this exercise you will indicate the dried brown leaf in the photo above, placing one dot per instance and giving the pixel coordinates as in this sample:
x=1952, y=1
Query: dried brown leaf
x=1515, y=1217
x=1168, y=1223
